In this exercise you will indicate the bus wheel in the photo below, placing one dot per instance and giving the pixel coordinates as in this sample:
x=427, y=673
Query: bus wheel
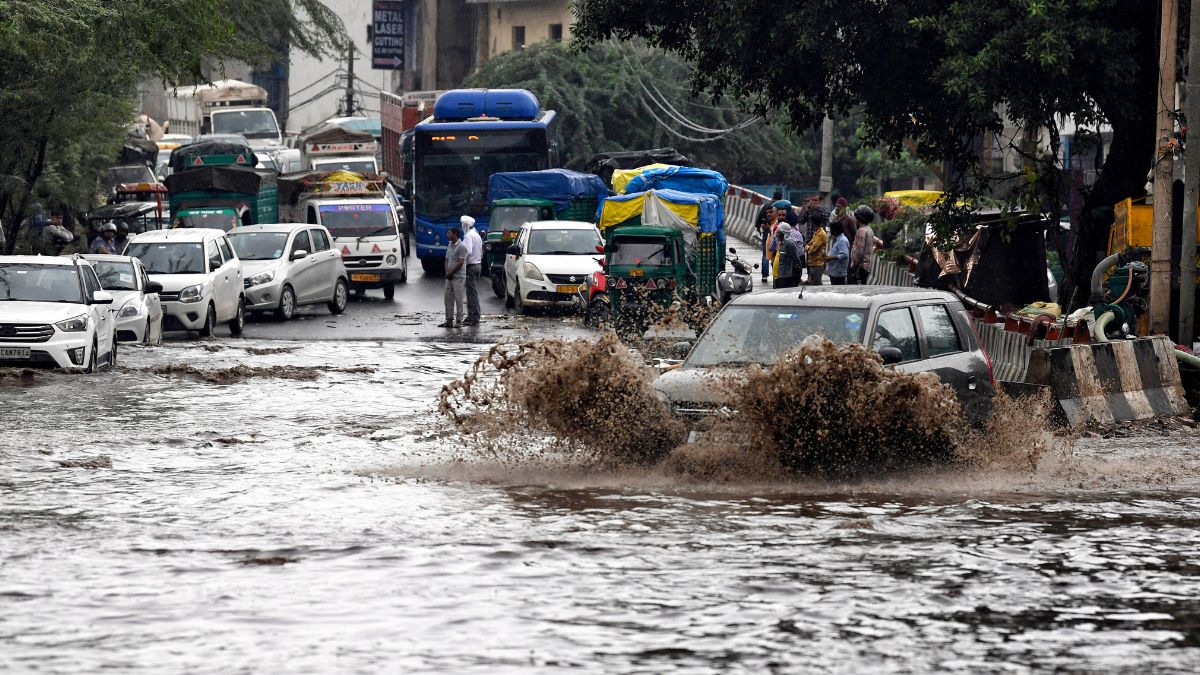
x=434, y=266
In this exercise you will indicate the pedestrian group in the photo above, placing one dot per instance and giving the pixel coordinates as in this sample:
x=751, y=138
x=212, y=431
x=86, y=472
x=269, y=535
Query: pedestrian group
x=838, y=244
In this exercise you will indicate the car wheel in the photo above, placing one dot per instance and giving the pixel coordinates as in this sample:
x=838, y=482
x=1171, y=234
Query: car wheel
x=498, y=285
x=146, y=337
x=112, y=354
x=158, y=342
x=389, y=291
x=210, y=322
x=404, y=274
x=91, y=363
x=518, y=303
x=287, y=304
x=341, y=296
x=238, y=323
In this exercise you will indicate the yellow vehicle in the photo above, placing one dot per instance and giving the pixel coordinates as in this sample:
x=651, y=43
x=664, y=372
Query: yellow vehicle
x=1132, y=228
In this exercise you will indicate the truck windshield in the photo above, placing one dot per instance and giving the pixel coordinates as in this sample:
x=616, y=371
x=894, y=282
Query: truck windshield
x=258, y=245
x=563, y=242
x=358, y=165
x=745, y=335
x=511, y=218
x=452, y=169
x=249, y=123
x=169, y=258
x=40, y=283
x=217, y=219
x=358, y=220
x=642, y=251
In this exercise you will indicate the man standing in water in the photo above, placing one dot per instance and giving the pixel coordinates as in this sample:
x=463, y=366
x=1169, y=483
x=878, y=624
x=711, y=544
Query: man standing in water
x=474, y=245
x=456, y=276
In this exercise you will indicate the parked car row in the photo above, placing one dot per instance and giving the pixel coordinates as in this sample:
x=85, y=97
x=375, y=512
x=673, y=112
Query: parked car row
x=73, y=311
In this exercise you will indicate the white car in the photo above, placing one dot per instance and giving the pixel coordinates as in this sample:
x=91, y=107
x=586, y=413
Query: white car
x=135, y=297
x=53, y=312
x=201, y=278
x=548, y=262
x=289, y=265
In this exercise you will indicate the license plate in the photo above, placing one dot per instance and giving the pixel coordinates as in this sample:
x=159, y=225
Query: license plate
x=567, y=289
x=364, y=277
x=637, y=273
x=14, y=352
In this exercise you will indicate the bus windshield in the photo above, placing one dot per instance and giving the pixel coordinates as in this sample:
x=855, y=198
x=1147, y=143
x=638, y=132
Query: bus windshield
x=452, y=168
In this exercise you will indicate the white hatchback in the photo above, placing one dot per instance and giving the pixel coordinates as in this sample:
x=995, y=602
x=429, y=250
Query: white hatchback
x=201, y=278
x=548, y=262
x=53, y=312
x=139, y=313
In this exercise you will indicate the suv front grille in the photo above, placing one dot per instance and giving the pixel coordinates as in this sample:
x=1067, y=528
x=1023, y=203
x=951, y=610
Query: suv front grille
x=25, y=332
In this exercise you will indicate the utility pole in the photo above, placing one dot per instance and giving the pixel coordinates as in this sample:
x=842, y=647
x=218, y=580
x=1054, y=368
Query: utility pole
x=350, y=80
x=1191, y=182
x=1160, y=245
x=826, y=184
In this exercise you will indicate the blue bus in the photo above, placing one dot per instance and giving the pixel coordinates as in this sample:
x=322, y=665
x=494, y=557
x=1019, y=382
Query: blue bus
x=472, y=134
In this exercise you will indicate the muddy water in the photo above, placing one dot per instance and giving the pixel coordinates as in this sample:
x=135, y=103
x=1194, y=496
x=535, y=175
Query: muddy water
x=253, y=521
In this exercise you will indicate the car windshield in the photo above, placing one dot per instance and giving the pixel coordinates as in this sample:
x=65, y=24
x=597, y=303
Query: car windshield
x=249, y=123
x=563, y=242
x=169, y=257
x=748, y=334
x=115, y=276
x=258, y=245
x=642, y=251
x=217, y=219
x=358, y=220
x=359, y=166
x=40, y=283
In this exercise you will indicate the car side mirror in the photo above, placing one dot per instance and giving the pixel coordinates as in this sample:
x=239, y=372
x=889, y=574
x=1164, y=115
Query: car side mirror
x=890, y=355
x=102, y=298
x=514, y=250
x=298, y=254
x=154, y=287
x=680, y=349
x=599, y=248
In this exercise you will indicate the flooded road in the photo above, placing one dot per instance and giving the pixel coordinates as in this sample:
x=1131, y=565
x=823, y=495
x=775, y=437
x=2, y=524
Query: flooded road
x=315, y=517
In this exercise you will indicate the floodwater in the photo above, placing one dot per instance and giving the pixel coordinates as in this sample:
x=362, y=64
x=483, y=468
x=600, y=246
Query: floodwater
x=316, y=517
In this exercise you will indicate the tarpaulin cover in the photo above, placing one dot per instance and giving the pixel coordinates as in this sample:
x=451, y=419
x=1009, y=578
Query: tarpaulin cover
x=621, y=177
x=183, y=157
x=681, y=178
x=336, y=133
x=605, y=163
x=915, y=197
x=339, y=183
x=556, y=185
x=139, y=151
x=700, y=212
x=243, y=180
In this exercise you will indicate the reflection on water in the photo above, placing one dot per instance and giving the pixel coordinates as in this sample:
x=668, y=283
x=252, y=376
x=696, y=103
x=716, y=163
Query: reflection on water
x=323, y=525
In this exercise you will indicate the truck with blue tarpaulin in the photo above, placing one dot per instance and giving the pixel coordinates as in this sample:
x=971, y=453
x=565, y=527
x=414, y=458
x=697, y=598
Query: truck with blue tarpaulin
x=524, y=196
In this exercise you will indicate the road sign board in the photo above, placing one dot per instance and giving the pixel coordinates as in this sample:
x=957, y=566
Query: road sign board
x=387, y=42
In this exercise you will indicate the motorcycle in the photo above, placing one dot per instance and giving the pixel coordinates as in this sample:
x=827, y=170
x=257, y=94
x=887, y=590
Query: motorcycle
x=737, y=282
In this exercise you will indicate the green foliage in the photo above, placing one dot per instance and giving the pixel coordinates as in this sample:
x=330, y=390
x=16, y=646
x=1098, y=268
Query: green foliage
x=69, y=72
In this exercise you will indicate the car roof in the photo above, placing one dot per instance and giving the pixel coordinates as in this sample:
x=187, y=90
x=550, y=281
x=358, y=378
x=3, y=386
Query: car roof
x=841, y=296
x=182, y=234
x=560, y=225
x=100, y=257
x=37, y=260
x=273, y=227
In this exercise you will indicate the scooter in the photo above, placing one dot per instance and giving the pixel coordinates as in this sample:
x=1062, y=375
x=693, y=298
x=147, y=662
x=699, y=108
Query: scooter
x=737, y=282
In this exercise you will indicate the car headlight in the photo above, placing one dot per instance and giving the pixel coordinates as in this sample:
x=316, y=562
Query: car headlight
x=192, y=293
x=75, y=324
x=128, y=311
x=391, y=260
x=261, y=278
x=531, y=272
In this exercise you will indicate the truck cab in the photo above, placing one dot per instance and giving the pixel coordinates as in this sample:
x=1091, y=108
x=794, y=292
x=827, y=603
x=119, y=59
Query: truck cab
x=647, y=270
x=366, y=233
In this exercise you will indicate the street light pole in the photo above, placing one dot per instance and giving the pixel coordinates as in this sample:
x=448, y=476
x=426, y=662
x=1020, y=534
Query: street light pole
x=1160, y=245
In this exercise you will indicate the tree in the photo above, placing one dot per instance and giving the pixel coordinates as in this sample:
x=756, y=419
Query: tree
x=941, y=73
x=70, y=68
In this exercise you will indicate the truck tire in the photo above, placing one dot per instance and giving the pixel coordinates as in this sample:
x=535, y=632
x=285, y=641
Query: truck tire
x=389, y=291
x=434, y=266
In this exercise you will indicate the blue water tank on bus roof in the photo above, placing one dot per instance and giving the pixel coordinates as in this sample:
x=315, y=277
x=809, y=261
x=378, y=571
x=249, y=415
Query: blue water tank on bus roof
x=509, y=104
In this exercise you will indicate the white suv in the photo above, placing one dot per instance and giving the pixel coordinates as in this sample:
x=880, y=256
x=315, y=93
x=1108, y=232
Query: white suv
x=201, y=278
x=53, y=312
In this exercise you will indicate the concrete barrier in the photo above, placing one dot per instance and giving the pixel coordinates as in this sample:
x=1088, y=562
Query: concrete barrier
x=884, y=272
x=1108, y=382
x=741, y=213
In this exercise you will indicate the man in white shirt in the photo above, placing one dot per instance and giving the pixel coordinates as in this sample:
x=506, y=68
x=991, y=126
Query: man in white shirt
x=474, y=244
